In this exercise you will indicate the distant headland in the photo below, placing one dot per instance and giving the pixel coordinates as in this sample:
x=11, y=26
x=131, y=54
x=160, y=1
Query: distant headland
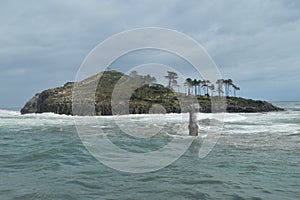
x=59, y=100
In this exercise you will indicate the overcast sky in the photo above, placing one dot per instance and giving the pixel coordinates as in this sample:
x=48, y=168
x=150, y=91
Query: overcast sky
x=256, y=43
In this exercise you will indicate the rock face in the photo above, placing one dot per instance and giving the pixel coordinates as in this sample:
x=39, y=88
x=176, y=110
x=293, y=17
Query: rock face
x=249, y=105
x=59, y=100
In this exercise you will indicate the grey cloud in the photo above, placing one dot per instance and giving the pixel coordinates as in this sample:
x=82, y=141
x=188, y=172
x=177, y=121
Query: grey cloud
x=251, y=41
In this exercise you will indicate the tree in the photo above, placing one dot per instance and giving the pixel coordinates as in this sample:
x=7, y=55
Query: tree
x=206, y=86
x=235, y=88
x=188, y=83
x=199, y=84
x=194, y=85
x=227, y=84
x=211, y=88
x=148, y=79
x=220, y=86
x=172, y=76
x=136, y=79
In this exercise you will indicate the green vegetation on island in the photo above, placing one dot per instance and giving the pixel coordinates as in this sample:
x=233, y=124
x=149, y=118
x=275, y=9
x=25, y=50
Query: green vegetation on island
x=143, y=98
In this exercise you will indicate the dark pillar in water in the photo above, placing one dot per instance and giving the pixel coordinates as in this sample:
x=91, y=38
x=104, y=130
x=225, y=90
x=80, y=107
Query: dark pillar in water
x=193, y=127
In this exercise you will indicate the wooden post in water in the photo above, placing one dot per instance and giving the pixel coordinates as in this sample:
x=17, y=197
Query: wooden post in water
x=193, y=127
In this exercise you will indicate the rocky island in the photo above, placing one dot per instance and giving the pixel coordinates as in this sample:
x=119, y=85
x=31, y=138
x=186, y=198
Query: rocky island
x=59, y=100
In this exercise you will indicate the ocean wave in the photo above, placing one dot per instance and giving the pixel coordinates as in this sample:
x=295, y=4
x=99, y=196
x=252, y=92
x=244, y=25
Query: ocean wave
x=225, y=117
x=9, y=112
x=235, y=123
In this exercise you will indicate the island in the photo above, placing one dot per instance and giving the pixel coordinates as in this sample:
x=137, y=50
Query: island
x=59, y=100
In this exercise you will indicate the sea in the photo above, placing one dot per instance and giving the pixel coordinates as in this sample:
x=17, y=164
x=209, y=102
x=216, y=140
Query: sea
x=257, y=156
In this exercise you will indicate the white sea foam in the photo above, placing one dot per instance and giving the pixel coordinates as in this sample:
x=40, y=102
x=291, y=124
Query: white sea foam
x=226, y=117
x=9, y=113
x=14, y=120
x=275, y=123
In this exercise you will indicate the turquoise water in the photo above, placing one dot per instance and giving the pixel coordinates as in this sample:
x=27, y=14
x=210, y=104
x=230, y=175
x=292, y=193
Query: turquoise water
x=257, y=157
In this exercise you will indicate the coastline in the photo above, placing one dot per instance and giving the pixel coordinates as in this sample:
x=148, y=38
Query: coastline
x=47, y=101
x=143, y=100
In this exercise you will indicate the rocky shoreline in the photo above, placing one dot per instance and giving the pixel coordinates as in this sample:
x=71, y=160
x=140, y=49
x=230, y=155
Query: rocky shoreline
x=59, y=101
x=47, y=101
